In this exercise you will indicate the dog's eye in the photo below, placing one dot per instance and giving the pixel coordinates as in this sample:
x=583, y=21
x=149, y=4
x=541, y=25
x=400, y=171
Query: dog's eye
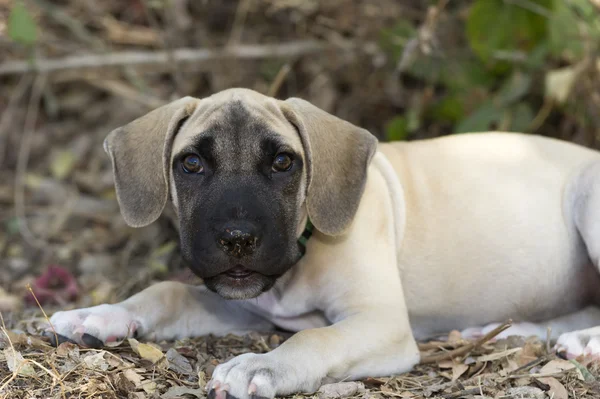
x=282, y=163
x=192, y=164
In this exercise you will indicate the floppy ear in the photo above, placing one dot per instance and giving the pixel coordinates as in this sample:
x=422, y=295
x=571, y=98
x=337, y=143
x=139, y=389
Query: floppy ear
x=140, y=153
x=337, y=156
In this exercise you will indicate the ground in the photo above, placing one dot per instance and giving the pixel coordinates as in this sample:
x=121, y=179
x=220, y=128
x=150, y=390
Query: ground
x=61, y=234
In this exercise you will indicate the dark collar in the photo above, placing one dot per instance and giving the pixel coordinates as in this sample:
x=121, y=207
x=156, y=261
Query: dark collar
x=308, y=230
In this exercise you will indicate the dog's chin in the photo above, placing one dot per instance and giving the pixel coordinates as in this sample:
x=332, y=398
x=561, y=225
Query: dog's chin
x=246, y=287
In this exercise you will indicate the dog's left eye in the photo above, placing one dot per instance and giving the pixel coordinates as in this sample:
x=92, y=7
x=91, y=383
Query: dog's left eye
x=282, y=163
x=192, y=164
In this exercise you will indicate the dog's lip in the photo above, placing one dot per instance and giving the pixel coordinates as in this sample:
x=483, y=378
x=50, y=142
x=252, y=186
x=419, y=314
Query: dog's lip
x=239, y=272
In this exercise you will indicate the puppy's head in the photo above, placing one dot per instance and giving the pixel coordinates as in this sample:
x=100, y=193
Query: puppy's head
x=244, y=171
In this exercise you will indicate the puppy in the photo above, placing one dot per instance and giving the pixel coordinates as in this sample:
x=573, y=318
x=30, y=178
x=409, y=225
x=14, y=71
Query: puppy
x=408, y=239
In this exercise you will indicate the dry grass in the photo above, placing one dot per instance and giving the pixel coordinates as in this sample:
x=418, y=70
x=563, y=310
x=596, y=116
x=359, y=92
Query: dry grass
x=30, y=368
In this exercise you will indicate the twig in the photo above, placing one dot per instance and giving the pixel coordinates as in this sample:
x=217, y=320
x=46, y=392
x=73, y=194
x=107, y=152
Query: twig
x=279, y=79
x=467, y=348
x=43, y=311
x=238, y=23
x=121, y=89
x=250, y=51
x=167, y=46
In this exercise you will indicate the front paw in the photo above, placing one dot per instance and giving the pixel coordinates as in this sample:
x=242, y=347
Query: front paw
x=250, y=376
x=92, y=327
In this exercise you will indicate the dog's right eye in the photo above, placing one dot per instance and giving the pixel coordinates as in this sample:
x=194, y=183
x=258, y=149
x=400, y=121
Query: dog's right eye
x=192, y=164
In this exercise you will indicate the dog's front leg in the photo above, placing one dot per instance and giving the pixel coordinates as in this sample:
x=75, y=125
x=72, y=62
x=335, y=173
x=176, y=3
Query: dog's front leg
x=167, y=310
x=371, y=342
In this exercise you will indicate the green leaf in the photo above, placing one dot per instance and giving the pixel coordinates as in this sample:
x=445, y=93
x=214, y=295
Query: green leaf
x=481, y=119
x=397, y=129
x=497, y=26
x=565, y=36
x=449, y=109
x=513, y=89
x=521, y=117
x=21, y=26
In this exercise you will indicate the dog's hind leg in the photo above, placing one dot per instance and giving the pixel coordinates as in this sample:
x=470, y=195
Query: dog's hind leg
x=558, y=327
x=583, y=203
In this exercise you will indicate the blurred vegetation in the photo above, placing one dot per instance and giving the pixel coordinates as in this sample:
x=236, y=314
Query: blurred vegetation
x=508, y=66
x=403, y=69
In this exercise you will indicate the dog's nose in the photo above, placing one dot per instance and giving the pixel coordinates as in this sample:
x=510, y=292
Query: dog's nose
x=237, y=243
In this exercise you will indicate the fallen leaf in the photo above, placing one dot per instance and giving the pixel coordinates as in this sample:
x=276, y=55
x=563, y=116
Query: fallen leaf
x=557, y=390
x=22, y=339
x=201, y=379
x=178, y=392
x=96, y=361
x=178, y=363
x=458, y=370
x=133, y=377
x=17, y=363
x=149, y=387
x=556, y=366
x=525, y=392
x=532, y=350
x=149, y=352
x=134, y=343
x=340, y=390
x=406, y=394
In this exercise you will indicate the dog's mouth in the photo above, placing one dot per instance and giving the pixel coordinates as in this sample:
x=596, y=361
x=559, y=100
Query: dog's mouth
x=239, y=282
x=239, y=272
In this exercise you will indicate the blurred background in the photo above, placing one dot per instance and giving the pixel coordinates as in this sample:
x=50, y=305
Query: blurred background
x=72, y=70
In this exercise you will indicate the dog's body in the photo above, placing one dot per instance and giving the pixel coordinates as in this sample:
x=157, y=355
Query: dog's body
x=435, y=235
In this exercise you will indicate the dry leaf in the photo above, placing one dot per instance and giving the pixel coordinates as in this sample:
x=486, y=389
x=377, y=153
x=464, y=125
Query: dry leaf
x=178, y=392
x=178, y=363
x=340, y=390
x=556, y=366
x=557, y=390
x=532, y=350
x=150, y=353
x=17, y=363
x=134, y=343
x=406, y=394
x=201, y=379
x=132, y=376
x=96, y=361
x=149, y=387
x=458, y=370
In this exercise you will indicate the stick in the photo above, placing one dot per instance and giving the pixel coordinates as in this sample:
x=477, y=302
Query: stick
x=249, y=51
x=467, y=348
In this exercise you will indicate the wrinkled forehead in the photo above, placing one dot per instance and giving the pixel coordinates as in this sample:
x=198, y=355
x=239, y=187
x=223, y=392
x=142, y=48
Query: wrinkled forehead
x=234, y=124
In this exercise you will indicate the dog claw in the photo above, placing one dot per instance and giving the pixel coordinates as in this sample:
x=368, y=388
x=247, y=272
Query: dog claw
x=252, y=389
x=91, y=341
